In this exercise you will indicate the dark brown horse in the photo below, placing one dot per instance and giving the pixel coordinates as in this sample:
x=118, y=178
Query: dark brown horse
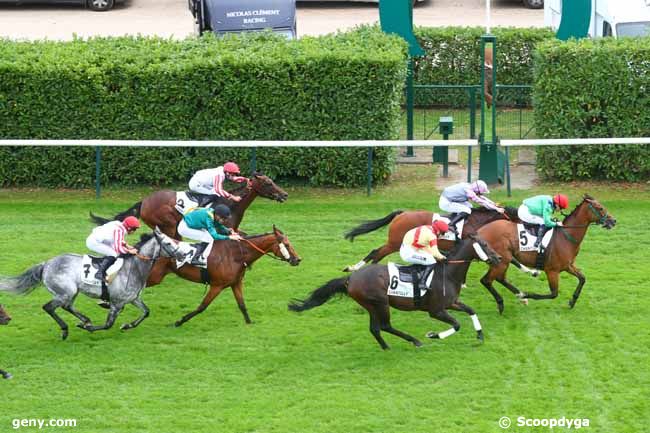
x=4, y=320
x=401, y=222
x=368, y=286
x=158, y=209
x=561, y=253
x=227, y=265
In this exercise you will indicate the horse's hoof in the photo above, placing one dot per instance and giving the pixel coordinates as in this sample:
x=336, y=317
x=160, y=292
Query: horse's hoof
x=105, y=305
x=347, y=269
x=177, y=324
x=524, y=301
x=535, y=273
x=500, y=307
x=125, y=326
x=64, y=334
x=479, y=335
x=417, y=343
x=572, y=303
x=432, y=334
x=7, y=375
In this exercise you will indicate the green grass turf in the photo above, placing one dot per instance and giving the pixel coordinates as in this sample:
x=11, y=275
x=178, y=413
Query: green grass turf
x=322, y=371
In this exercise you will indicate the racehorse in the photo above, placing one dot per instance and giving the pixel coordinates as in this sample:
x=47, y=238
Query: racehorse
x=560, y=253
x=368, y=286
x=158, y=209
x=401, y=222
x=61, y=276
x=4, y=320
x=227, y=265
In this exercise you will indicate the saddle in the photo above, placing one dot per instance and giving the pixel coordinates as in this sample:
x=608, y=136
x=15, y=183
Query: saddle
x=420, y=272
x=202, y=199
x=533, y=229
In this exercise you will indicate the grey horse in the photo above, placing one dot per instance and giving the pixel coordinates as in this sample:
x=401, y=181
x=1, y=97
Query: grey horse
x=61, y=276
x=5, y=318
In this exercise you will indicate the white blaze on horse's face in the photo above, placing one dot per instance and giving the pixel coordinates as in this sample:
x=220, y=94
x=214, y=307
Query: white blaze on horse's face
x=284, y=251
x=479, y=251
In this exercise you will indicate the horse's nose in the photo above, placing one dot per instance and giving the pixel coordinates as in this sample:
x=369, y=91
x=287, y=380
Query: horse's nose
x=296, y=261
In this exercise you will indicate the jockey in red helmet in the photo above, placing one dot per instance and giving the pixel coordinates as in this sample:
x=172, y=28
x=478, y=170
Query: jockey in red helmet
x=210, y=181
x=539, y=210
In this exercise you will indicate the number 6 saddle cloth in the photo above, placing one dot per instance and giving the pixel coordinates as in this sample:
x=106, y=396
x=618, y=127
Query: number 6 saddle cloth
x=401, y=280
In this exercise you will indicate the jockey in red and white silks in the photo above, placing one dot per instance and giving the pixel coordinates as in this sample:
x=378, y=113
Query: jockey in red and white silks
x=457, y=199
x=210, y=180
x=109, y=239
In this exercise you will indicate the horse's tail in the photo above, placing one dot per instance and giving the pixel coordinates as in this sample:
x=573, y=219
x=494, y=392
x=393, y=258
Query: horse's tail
x=320, y=295
x=369, y=226
x=24, y=283
x=132, y=211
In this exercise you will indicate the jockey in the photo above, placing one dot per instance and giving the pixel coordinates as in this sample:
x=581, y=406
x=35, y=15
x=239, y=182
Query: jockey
x=538, y=210
x=210, y=181
x=420, y=246
x=456, y=199
x=206, y=225
x=109, y=240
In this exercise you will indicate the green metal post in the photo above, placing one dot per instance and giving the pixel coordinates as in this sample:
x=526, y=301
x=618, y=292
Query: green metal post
x=445, y=163
x=508, y=171
x=254, y=159
x=472, y=130
x=409, y=106
x=369, y=171
x=98, y=172
x=489, y=159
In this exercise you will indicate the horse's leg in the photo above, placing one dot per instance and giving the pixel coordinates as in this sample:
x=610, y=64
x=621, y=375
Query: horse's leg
x=489, y=277
x=375, y=329
x=110, y=320
x=382, y=313
x=553, y=285
x=5, y=374
x=581, y=282
x=85, y=320
x=459, y=306
x=145, y=313
x=443, y=316
x=238, y=291
x=50, y=308
x=214, y=291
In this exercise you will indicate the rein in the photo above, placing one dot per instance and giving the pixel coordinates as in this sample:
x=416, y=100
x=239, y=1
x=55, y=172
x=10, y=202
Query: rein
x=258, y=249
x=601, y=220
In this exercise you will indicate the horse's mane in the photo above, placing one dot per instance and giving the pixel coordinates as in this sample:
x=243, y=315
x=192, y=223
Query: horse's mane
x=144, y=238
x=242, y=189
x=585, y=197
x=248, y=237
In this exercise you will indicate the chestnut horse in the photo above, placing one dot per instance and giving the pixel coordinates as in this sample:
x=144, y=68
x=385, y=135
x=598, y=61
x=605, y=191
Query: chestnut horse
x=4, y=320
x=158, y=208
x=227, y=264
x=560, y=256
x=401, y=222
x=368, y=286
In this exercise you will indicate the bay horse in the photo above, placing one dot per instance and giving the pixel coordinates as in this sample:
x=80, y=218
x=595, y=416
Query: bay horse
x=62, y=277
x=560, y=256
x=403, y=221
x=227, y=265
x=368, y=286
x=158, y=209
x=5, y=318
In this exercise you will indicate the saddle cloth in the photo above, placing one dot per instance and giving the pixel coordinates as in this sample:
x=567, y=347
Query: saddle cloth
x=527, y=238
x=400, y=280
x=450, y=236
x=190, y=251
x=89, y=266
x=184, y=202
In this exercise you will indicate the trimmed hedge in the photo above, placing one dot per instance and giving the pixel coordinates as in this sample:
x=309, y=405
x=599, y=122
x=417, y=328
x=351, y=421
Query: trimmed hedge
x=454, y=57
x=250, y=86
x=593, y=88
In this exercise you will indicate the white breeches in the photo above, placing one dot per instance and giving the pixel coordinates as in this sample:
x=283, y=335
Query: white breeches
x=525, y=215
x=194, y=234
x=412, y=255
x=454, y=207
x=196, y=186
x=99, y=247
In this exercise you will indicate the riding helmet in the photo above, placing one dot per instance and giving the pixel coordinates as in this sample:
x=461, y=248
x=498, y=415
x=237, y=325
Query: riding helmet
x=561, y=201
x=439, y=226
x=231, y=167
x=221, y=210
x=131, y=223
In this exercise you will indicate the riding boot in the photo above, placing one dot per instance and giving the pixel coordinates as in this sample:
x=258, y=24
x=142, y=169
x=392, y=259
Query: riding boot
x=199, y=259
x=540, y=235
x=106, y=263
x=455, y=220
x=417, y=299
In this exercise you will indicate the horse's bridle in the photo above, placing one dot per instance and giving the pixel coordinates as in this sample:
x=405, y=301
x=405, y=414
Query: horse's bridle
x=283, y=250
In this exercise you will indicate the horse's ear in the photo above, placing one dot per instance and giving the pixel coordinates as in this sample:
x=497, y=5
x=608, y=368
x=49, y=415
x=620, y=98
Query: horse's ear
x=587, y=197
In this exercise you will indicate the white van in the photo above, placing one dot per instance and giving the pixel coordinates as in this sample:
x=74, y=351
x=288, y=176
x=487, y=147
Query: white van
x=617, y=18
